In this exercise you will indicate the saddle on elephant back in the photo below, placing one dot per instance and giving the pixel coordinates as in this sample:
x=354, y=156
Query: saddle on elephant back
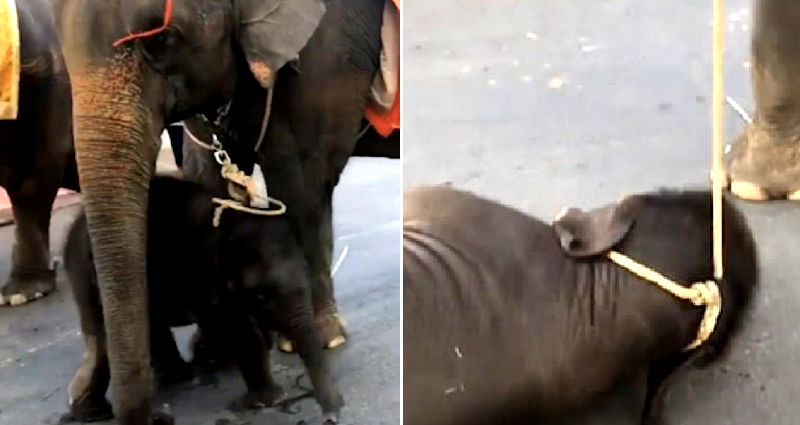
x=9, y=60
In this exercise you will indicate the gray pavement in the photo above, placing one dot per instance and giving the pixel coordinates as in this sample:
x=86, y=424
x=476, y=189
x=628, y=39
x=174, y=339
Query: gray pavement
x=40, y=347
x=573, y=102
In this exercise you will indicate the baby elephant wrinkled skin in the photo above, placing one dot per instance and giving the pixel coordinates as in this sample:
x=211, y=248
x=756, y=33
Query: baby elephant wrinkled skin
x=510, y=320
x=237, y=282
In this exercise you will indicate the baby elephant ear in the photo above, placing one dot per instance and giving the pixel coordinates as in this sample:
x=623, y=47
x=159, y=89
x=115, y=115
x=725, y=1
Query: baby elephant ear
x=273, y=32
x=589, y=233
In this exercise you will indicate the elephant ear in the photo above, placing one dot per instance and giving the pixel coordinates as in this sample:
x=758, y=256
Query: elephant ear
x=589, y=233
x=272, y=33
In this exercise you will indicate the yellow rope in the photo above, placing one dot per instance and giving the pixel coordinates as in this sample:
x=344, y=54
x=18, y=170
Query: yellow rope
x=718, y=175
x=699, y=293
x=238, y=206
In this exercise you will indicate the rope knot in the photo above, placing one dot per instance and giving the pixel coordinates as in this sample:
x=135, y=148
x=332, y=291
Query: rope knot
x=705, y=293
x=701, y=294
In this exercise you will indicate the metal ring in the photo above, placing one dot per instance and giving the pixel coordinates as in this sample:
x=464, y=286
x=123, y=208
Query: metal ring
x=222, y=157
x=215, y=142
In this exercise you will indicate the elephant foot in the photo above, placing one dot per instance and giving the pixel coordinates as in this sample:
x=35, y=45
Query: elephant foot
x=269, y=397
x=332, y=329
x=748, y=191
x=88, y=410
x=332, y=332
x=761, y=166
x=794, y=196
x=752, y=192
x=24, y=287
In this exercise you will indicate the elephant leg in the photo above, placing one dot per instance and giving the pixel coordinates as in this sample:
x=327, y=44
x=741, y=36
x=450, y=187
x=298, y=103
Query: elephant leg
x=657, y=375
x=87, y=390
x=208, y=353
x=31, y=276
x=169, y=366
x=238, y=333
x=764, y=162
x=295, y=313
x=332, y=331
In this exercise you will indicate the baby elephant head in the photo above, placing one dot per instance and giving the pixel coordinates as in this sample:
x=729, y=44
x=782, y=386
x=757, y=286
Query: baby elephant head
x=671, y=233
x=261, y=259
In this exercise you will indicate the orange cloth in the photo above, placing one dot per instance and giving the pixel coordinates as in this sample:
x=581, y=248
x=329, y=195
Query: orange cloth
x=386, y=122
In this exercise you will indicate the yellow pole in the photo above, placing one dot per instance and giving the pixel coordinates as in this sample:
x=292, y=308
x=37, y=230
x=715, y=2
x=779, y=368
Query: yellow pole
x=717, y=131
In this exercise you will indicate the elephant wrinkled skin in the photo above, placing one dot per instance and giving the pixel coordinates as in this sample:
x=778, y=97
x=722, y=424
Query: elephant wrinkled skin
x=508, y=319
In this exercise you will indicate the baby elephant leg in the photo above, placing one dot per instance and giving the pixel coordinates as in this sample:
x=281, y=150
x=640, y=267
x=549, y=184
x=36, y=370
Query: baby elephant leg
x=238, y=332
x=208, y=353
x=169, y=366
x=87, y=390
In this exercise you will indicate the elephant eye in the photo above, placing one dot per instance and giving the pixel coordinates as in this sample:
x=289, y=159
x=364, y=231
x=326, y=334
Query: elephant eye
x=158, y=45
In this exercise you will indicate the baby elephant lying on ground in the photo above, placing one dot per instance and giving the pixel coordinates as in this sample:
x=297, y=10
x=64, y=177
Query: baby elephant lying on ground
x=510, y=320
x=246, y=275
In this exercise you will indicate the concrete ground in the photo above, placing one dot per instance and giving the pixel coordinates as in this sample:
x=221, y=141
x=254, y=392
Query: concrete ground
x=573, y=102
x=40, y=347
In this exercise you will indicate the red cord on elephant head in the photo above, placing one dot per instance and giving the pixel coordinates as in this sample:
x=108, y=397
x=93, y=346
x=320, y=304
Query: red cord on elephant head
x=167, y=18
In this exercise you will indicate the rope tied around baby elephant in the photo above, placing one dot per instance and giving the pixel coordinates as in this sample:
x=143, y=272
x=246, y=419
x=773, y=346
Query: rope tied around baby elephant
x=223, y=204
x=244, y=191
x=702, y=294
x=246, y=195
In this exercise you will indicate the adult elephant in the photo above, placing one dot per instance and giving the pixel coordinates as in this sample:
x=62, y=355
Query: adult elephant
x=765, y=161
x=36, y=152
x=214, y=57
x=372, y=144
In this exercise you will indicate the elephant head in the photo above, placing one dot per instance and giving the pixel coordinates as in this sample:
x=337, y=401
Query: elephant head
x=670, y=232
x=137, y=65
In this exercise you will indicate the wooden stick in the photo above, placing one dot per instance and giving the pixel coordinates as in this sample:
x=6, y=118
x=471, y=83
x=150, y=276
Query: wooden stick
x=718, y=103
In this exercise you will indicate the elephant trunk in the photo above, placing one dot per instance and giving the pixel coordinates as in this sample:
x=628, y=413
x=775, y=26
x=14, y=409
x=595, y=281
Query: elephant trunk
x=116, y=159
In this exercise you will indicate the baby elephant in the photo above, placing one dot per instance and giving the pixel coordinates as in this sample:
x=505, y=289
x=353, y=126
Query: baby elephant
x=510, y=320
x=247, y=275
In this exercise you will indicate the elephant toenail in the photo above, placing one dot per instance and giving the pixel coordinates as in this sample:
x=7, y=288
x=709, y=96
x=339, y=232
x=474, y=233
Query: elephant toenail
x=287, y=346
x=335, y=342
x=17, y=299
